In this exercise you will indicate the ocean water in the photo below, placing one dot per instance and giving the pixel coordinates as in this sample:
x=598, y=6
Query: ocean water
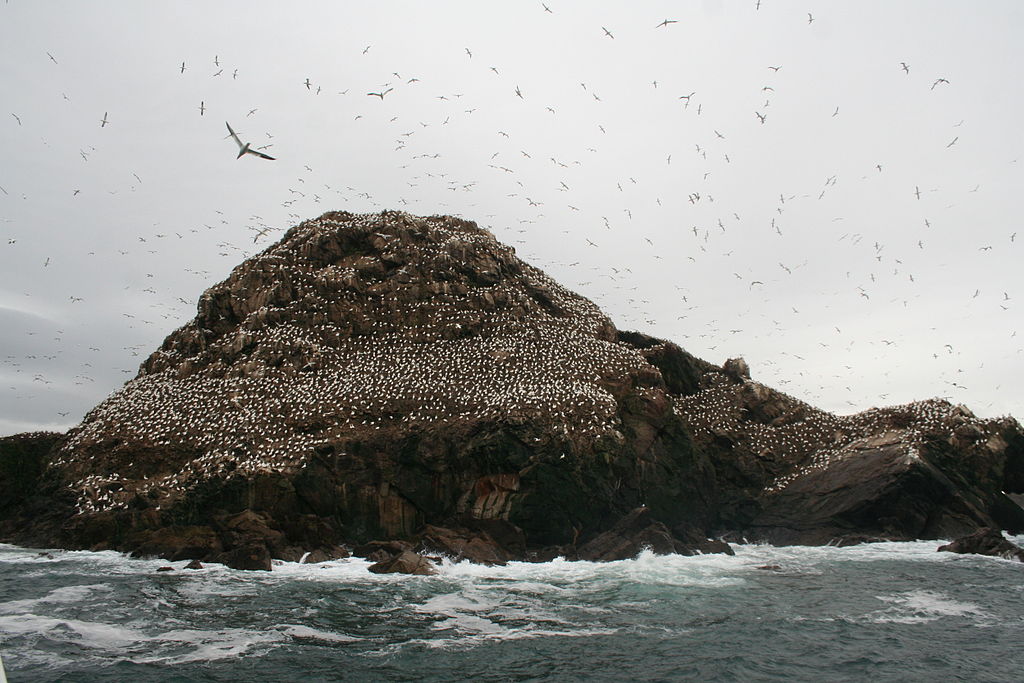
x=879, y=612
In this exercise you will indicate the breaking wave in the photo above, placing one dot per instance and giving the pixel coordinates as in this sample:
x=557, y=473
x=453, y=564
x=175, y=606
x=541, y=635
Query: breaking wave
x=766, y=612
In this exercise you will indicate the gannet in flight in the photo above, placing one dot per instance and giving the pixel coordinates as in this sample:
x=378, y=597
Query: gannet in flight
x=244, y=149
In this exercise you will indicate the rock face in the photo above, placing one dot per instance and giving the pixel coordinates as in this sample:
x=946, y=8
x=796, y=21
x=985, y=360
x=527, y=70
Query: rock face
x=409, y=380
x=987, y=541
x=792, y=474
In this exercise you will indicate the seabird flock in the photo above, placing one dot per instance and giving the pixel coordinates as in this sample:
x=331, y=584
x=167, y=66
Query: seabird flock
x=333, y=348
x=355, y=325
x=305, y=194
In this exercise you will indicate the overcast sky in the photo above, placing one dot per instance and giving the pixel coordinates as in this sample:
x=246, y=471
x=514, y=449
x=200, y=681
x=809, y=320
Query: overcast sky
x=759, y=181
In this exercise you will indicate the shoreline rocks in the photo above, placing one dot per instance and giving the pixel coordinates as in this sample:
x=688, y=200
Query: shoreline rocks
x=985, y=541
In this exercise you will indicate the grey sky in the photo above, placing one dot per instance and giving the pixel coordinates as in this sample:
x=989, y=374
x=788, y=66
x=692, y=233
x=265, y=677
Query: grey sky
x=836, y=282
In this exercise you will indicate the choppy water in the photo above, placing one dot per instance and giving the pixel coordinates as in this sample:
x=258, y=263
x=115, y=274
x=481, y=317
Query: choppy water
x=885, y=612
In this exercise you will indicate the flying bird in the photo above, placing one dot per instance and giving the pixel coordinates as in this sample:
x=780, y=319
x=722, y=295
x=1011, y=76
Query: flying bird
x=905, y=67
x=939, y=80
x=51, y=57
x=244, y=149
x=608, y=33
x=666, y=22
x=103, y=123
x=202, y=108
x=380, y=94
x=183, y=67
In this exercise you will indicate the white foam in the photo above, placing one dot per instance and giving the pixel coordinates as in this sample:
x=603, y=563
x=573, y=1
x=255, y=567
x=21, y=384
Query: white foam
x=554, y=576
x=171, y=647
x=916, y=607
x=84, y=633
x=454, y=603
x=65, y=594
x=354, y=568
x=466, y=641
x=209, y=645
x=300, y=632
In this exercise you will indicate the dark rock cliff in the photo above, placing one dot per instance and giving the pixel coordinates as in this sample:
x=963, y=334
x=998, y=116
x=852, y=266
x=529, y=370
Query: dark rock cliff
x=375, y=377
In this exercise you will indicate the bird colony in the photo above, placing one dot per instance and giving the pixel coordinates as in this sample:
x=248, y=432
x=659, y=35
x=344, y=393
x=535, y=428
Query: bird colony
x=372, y=327
x=803, y=439
x=351, y=325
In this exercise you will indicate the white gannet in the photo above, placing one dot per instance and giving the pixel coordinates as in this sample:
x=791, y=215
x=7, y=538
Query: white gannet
x=244, y=148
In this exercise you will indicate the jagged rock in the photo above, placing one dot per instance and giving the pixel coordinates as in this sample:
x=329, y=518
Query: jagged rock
x=405, y=562
x=253, y=557
x=370, y=376
x=879, y=488
x=639, y=531
x=194, y=564
x=476, y=546
x=178, y=543
x=378, y=551
x=986, y=541
x=165, y=569
x=737, y=369
x=628, y=538
x=791, y=474
x=379, y=373
x=250, y=528
x=691, y=541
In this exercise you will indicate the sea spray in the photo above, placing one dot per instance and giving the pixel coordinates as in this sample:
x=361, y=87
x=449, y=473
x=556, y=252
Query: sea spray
x=767, y=612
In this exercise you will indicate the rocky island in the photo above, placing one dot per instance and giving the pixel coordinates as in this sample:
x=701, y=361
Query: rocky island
x=395, y=386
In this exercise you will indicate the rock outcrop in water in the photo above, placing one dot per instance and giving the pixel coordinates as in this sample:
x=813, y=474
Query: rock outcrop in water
x=387, y=377
x=985, y=541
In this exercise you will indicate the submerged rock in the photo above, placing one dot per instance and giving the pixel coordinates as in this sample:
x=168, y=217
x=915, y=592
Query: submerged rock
x=405, y=562
x=985, y=541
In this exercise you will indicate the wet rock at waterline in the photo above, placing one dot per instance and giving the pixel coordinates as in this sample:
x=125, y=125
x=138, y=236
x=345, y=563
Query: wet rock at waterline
x=985, y=541
x=405, y=562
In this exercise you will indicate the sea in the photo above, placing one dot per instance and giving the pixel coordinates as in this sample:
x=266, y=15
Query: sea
x=873, y=612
